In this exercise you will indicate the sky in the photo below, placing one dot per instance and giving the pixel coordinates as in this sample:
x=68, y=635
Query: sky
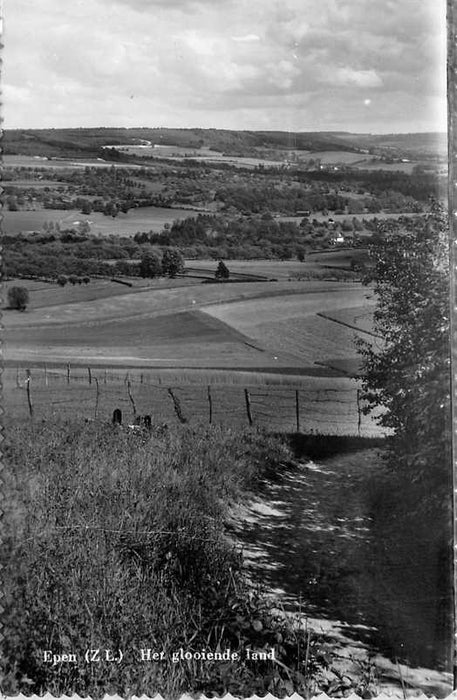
x=374, y=66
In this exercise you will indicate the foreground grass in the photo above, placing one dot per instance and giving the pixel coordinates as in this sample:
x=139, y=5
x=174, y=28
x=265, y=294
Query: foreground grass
x=117, y=541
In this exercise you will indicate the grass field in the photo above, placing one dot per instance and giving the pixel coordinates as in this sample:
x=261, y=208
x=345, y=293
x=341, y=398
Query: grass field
x=265, y=336
x=44, y=294
x=141, y=219
x=289, y=324
x=244, y=325
x=326, y=405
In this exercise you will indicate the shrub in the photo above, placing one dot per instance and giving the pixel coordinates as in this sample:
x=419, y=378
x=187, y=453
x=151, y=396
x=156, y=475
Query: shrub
x=18, y=298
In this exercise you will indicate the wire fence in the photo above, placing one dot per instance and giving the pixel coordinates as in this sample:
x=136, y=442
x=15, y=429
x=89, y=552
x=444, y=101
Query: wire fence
x=96, y=393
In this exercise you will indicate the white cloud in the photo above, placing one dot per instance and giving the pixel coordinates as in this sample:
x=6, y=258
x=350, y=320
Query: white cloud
x=234, y=63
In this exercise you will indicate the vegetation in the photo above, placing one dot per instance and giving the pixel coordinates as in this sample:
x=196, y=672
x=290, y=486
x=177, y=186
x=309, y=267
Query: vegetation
x=222, y=271
x=18, y=298
x=117, y=540
x=172, y=262
x=410, y=378
x=150, y=265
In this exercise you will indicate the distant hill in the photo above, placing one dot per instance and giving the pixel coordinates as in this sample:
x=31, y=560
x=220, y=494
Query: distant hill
x=88, y=142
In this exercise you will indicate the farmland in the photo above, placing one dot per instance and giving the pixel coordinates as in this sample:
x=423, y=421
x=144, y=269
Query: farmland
x=255, y=335
x=244, y=359
x=144, y=219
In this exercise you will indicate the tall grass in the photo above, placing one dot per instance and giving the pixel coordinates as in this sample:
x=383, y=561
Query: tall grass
x=116, y=540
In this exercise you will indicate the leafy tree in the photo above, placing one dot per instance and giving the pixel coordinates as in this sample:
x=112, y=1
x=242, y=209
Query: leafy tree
x=150, y=265
x=172, y=262
x=62, y=280
x=222, y=272
x=18, y=298
x=409, y=376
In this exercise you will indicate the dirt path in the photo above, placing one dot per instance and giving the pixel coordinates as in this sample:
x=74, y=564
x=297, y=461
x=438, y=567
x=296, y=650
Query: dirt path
x=304, y=538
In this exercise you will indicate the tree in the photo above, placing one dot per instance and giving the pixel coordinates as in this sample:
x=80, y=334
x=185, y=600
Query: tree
x=410, y=375
x=150, y=265
x=18, y=298
x=407, y=376
x=172, y=262
x=222, y=272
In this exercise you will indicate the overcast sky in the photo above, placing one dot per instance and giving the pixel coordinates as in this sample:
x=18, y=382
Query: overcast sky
x=302, y=65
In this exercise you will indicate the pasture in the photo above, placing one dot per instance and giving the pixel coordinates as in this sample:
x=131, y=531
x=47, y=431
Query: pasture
x=260, y=324
x=279, y=403
x=290, y=326
x=340, y=157
x=267, y=337
x=142, y=219
x=44, y=294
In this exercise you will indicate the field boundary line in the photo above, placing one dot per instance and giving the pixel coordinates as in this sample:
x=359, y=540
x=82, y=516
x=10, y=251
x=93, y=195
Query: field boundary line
x=322, y=314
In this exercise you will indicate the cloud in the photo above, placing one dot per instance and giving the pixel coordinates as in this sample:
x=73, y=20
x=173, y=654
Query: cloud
x=237, y=63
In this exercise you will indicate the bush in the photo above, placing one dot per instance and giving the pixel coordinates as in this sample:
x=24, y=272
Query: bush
x=18, y=298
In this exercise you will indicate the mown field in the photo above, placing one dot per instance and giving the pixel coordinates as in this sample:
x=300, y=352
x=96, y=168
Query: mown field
x=141, y=219
x=254, y=325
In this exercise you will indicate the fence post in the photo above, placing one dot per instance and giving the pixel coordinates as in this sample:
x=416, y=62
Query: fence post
x=28, y=381
x=68, y=373
x=97, y=395
x=177, y=407
x=45, y=374
x=132, y=400
x=297, y=409
x=359, y=414
x=248, y=406
x=89, y=373
x=210, y=402
x=18, y=384
x=104, y=378
x=141, y=378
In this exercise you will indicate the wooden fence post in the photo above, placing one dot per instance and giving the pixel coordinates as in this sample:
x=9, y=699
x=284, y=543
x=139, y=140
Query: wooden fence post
x=248, y=406
x=18, y=384
x=132, y=400
x=104, y=378
x=89, y=373
x=141, y=378
x=68, y=372
x=45, y=374
x=28, y=381
x=359, y=414
x=97, y=395
x=177, y=407
x=210, y=402
x=297, y=409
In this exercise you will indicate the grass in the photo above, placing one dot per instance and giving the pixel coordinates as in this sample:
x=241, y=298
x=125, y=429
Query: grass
x=115, y=540
x=290, y=326
x=247, y=325
x=127, y=541
x=44, y=294
x=141, y=219
x=327, y=405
